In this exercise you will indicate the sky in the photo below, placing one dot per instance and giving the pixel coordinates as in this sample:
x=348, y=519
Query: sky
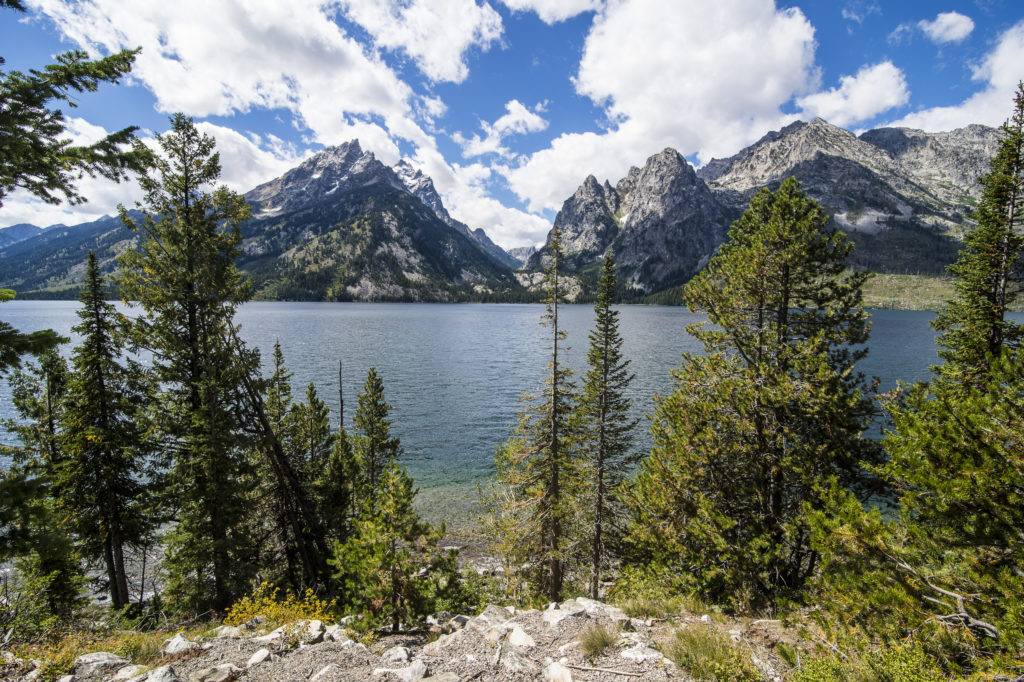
x=509, y=104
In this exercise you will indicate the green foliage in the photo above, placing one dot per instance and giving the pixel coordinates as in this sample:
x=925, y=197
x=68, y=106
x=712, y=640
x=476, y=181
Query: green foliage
x=183, y=275
x=897, y=664
x=707, y=654
x=100, y=482
x=756, y=428
x=335, y=488
x=373, y=445
x=536, y=491
x=266, y=601
x=38, y=156
x=606, y=430
x=989, y=273
x=596, y=638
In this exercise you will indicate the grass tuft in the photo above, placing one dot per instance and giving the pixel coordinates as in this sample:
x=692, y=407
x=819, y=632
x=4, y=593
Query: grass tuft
x=709, y=655
x=597, y=638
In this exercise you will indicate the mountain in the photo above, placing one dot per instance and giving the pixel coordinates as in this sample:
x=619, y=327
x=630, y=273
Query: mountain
x=521, y=254
x=422, y=187
x=904, y=196
x=661, y=222
x=340, y=226
x=17, y=233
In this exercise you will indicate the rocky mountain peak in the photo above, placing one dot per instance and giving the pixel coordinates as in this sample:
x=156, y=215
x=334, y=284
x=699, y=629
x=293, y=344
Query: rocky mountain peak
x=334, y=170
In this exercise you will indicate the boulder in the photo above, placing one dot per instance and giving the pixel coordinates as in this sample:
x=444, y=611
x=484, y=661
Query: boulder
x=95, y=665
x=457, y=623
x=396, y=655
x=556, y=613
x=556, y=672
x=177, y=644
x=491, y=616
x=277, y=635
x=164, y=673
x=258, y=657
x=519, y=637
x=129, y=672
x=229, y=632
x=336, y=633
x=509, y=659
x=225, y=672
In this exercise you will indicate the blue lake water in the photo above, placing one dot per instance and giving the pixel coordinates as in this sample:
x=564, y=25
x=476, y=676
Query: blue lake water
x=454, y=373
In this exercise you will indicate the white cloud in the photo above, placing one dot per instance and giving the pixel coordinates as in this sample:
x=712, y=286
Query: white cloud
x=517, y=120
x=858, y=98
x=947, y=27
x=466, y=198
x=242, y=55
x=705, y=78
x=436, y=35
x=553, y=11
x=999, y=72
x=248, y=161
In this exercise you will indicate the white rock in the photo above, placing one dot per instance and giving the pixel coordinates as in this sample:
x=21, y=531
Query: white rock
x=219, y=673
x=643, y=653
x=258, y=657
x=417, y=670
x=510, y=660
x=457, y=623
x=396, y=655
x=128, y=672
x=177, y=644
x=491, y=616
x=557, y=613
x=519, y=637
x=66, y=678
x=336, y=633
x=312, y=631
x=229, y=632
x=275, y=636
x=327, y=672
x=556, y=672
x=97, y=664
x=164, y=673
x=705, y=618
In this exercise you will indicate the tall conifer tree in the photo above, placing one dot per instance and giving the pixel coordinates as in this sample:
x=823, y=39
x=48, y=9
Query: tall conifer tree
x=537, y=482
x=184, y=277
x=101, y=480
x=373, y=444
x=606, y=428
x=757, y=427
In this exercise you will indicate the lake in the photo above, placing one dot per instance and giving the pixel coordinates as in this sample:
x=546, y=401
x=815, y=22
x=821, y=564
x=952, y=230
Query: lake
x=454, y=372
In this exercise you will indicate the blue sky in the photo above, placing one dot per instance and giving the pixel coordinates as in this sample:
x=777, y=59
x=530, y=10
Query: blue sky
x=509, y=104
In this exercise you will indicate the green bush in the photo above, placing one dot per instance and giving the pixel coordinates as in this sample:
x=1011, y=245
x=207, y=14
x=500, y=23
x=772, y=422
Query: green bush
x=709, y=655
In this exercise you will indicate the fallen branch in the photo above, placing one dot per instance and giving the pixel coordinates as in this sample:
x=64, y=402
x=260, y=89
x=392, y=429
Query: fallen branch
x=604, y=670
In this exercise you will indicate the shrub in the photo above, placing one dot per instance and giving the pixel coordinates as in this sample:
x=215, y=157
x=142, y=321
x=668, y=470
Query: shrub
x=597, y=638
x=707, y=654
x=265, y=601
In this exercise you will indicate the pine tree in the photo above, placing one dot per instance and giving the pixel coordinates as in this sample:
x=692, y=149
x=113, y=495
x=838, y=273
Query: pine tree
x=606, y=428
x=989, y=271
x=757, y=428
x=536, y=481
x=373, y=445
x=100, y=482
x=947, y=571
x=336, y=489
x=312, y=440
x=183, y=275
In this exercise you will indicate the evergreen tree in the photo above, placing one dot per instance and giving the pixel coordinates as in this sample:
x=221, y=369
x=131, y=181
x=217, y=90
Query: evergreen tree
x=183, y=275
x=336, y=489
x=311, y=435
x=373, y=445
x=756, y=429
x=537, y=485
x=100, y=480
x=947, y=572
x=606, y=428
x=989, y=272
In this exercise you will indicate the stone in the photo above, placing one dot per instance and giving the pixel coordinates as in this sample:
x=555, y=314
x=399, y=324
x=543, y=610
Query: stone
x=642, y=653
x=519, y=637
x=336, y=633
x=457, y=623
x=164, y=673
x=128, y=672
x=66, y=678
x=556, y=672
x=509, y=659
x=556, y=613
x=705, y=618
x=417, y=670
x=396, y=655
x=229, y=632
x=91, y=666
x=177, y=644
x=492, y=615
x=218, y=673
x=311, y=631
x=258, y=657
x=277, y=635
x=328, y=672
x=444, y=677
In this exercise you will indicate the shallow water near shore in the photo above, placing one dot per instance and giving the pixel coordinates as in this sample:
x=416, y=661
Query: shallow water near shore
x=454, y=372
